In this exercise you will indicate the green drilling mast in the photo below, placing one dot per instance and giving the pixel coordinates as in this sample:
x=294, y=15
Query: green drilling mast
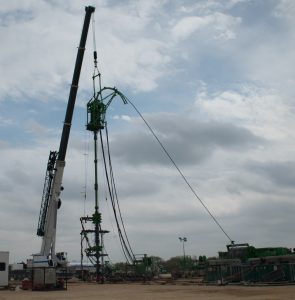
x=96, y=111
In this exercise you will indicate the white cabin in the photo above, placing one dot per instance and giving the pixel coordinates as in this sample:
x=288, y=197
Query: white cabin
x=4, y=266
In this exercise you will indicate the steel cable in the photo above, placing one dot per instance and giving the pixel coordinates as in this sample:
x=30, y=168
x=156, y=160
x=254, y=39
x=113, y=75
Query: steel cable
x=178, y=169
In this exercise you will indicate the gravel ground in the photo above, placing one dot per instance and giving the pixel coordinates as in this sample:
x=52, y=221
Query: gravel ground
x=79, y=291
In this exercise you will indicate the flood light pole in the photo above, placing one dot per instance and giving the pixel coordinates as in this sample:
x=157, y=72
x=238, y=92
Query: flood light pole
x=183, y=240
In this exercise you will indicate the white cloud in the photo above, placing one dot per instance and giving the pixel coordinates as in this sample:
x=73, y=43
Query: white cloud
x=223, y=26
x=34, y=59
x=4, y=122
x=34, y=127
x=204, y=7
x=137, y=64
x=122, y=117
x=262, y=111
x=39, y=53
x=188, y=25
x=285, y=9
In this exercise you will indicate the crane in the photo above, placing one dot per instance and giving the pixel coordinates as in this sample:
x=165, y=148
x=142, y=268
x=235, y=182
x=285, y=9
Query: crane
x=47, y=257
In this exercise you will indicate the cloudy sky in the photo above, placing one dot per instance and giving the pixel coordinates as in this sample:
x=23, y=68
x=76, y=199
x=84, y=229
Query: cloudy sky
x=215, y=80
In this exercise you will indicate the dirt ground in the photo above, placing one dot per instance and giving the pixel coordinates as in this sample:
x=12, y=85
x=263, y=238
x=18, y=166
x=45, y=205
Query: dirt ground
x=79, y=291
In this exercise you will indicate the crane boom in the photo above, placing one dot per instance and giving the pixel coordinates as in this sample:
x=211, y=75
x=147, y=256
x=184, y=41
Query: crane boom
x=54, y=174
x=74, y=86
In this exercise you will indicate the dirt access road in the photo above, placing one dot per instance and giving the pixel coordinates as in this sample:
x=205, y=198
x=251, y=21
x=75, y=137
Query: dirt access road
x=80, y=291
